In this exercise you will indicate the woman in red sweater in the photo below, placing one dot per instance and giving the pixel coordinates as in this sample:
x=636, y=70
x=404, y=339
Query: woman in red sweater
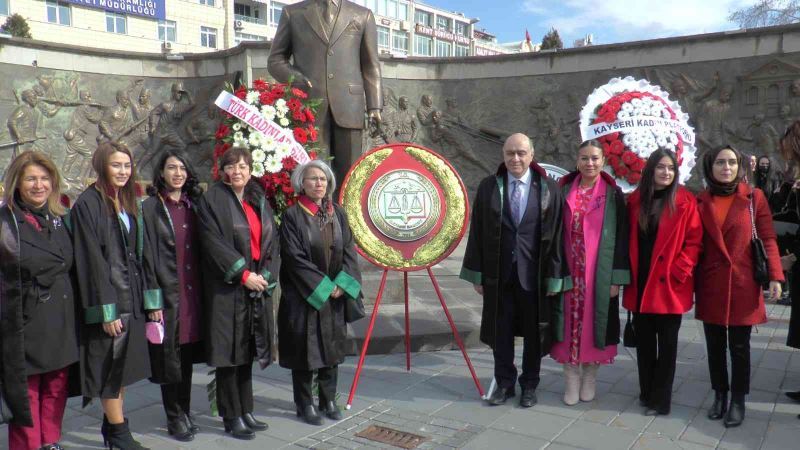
x=729, y=299
x=665, y=243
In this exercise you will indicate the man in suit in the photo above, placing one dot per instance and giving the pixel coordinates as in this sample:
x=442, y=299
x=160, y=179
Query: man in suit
x=334, y=48
x=515, y=258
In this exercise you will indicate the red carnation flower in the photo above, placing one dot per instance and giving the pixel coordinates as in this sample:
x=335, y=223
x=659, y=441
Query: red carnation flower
x=289, y=163
x=617, y=148
x=621, y=171
x=312, y=134
x=299, y=116
x=278, y=91
x=300, y=135
x=294, y=104
x=310, y=115
x=628, y=157
x=613, y=161
x=633, y=177
x=241, y=92
x=299, y=93
x=222, y=131
x=312, y=154
x=638, y=165
x=260, y=84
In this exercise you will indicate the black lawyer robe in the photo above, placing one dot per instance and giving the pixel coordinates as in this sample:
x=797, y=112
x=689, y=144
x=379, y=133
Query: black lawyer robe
x=312, y=332
x=19, y=293
x=111, y=286
x=160, y=261
x=482, y=256
x=232, y=317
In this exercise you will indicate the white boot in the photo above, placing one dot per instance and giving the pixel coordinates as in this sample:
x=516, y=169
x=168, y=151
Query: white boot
x=572, y=381
x=588, y=382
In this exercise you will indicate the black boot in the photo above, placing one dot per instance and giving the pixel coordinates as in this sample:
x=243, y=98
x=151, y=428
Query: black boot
x=119, y=436
x=720, y=405
x=735, y=415
x=309, y=414
x=331, y=410
x=190, y=419
x=253, y=423
x=238, y=429
x=179, y=429
x=104, y=430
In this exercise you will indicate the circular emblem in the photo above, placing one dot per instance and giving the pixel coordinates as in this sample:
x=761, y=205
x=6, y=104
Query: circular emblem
x=403, y=205
x=406, y=206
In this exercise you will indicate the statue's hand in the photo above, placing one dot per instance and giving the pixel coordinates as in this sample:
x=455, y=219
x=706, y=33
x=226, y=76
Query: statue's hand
x=374, y=116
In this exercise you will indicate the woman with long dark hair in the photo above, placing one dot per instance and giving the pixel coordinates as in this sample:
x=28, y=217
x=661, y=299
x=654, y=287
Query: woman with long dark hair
x=586, y=322
x=665, y=243
x=239, y=239
x=728, y=298
x=172, y=272
x=38, y=329
x=108, y=246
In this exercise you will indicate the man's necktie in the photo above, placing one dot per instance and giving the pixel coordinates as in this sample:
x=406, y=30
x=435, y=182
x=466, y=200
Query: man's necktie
x=516, y=202
x=330, y=11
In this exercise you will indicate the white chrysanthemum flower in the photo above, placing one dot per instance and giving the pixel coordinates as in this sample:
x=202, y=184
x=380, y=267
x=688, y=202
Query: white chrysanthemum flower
x=238, y=136
x=268, y=143
x=283, y=150
x=273, y=164
x=627, y=107
x=252, y=97
x=280, y=103
x=258, y=155
x=284, y=122
x=237, y=126
x=258, y=169
x=268, y=111
x=282, y=111
x=256, y=137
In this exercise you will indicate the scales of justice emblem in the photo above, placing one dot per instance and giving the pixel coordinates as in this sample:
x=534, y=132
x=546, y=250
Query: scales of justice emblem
x=404, y=205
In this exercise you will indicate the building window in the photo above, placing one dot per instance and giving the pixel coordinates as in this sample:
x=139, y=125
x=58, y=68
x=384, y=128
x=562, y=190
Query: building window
x=423, y=45
x=57, y=12
x=208, y=37
x=443, y=49
x=166, y=30
x=246, y=13
x=462, y=29
x=400, y=41
x=383, y=37
x=4, y=7
x=402, y=11
x=242, y=37
x=442, y=23
x=381, y=9
x=207, y=2
x=423, y=18
x=242, y=10
x=275, y=10
x=462, y=50
x=115, y=23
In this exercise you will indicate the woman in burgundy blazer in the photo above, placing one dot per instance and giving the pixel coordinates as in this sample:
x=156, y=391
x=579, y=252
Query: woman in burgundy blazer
x=729, y=300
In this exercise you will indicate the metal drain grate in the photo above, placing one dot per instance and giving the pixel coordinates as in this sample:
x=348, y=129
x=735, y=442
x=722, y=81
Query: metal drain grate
x=391, y=437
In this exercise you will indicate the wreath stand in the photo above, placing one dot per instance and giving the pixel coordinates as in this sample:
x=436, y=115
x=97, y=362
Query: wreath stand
x=374, y=315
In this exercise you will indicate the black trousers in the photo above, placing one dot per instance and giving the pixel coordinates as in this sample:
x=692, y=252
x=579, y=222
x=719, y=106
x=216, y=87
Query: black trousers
x=656, y=353
x=344, y=143
x=177, y=396
x=326, y=380
x=720, y=339
x=517, y=309
x=234, y=391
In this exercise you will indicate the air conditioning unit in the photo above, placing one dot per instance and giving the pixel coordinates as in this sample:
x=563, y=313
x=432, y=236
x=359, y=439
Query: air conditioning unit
x=405, y=25
x=238, y=25
x=166, y=47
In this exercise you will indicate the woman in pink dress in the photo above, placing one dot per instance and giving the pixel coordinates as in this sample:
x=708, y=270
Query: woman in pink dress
x=586, y=324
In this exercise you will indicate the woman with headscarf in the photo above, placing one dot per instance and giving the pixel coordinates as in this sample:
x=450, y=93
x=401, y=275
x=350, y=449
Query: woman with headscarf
x=728, y=299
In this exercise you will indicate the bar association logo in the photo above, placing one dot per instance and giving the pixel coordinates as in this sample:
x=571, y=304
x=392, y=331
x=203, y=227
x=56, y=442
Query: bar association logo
x=403, y=205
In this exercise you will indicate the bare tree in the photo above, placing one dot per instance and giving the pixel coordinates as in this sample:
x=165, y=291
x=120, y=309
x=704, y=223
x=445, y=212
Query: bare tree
x=767, y=12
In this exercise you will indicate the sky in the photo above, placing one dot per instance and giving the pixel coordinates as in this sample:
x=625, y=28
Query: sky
x=610, y=21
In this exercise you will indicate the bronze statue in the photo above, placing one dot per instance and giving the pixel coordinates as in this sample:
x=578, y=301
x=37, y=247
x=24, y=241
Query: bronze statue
x=450, y=145
x=116, y=122
x=425, y=110
x=165, y=120
x=24, y=121
x=200, y=130
x=763, y=136
x=78, y=150
x=330, y=49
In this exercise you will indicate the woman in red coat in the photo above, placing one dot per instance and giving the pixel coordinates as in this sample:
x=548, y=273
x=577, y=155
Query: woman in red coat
x=665, y=243
x=729, y=300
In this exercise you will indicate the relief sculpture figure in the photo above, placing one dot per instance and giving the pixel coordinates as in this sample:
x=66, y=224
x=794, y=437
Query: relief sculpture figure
x=165, y=121
x=79, y=152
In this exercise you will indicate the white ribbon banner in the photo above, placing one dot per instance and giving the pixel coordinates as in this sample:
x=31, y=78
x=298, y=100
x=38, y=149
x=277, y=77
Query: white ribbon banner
x=248, y=114
x=639, y=123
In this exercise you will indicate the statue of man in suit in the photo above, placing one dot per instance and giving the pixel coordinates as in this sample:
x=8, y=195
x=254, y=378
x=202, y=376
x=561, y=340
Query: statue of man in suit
x=334, y=49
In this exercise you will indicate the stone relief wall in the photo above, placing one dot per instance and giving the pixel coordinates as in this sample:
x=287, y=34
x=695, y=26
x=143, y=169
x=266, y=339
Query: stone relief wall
x=741, y=89
x=66, y=114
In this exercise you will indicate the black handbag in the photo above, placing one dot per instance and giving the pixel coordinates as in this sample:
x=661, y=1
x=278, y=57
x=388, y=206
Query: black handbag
x=629, y=336
x=354, y=309
x=760, y=269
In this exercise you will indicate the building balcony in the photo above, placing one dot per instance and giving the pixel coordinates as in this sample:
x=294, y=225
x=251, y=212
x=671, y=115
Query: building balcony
x=249, y=19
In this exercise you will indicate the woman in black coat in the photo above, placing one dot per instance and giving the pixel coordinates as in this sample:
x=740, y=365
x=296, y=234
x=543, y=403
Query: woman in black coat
x=38, y=328
x=108, y=242
x=238, y=235
x=172, y=272
x=319, y=273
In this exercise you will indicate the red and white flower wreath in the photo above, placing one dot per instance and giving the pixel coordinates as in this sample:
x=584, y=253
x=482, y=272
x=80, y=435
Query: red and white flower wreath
x=632, y=119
